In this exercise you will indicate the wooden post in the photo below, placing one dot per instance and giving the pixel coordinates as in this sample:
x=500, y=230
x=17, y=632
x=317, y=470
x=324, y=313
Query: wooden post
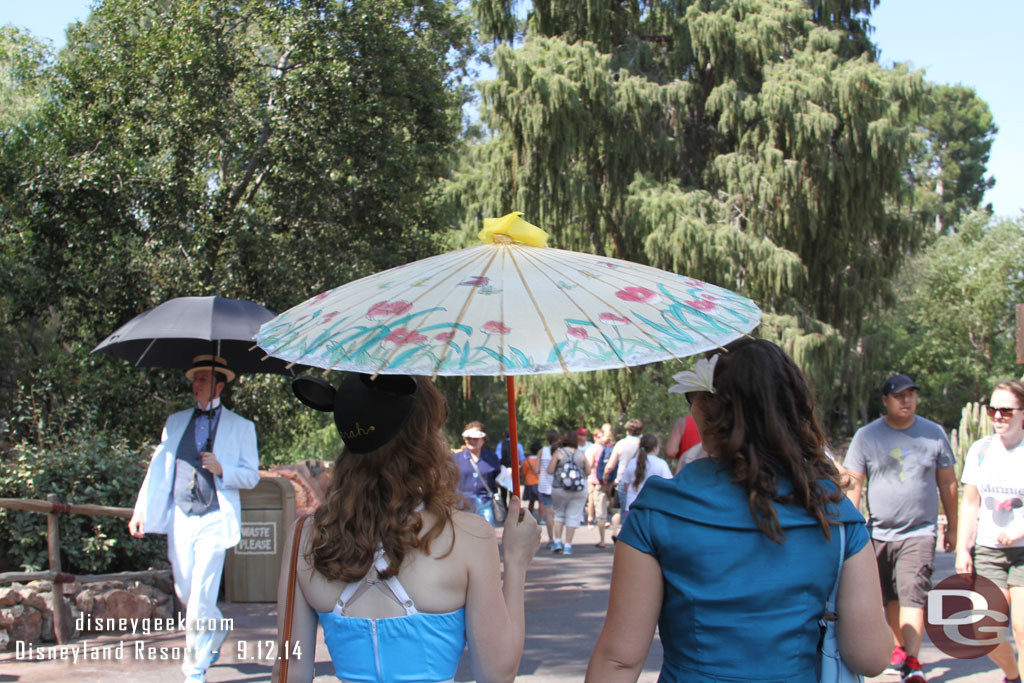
x=62, y=626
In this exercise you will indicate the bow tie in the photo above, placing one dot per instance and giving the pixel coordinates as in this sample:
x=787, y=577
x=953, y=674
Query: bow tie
x=199, y=412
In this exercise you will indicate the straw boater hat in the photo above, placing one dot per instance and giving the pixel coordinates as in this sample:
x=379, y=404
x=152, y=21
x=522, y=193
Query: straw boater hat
x=207, y=360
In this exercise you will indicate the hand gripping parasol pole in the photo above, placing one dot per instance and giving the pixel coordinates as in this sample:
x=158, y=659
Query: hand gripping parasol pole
x=510, y=386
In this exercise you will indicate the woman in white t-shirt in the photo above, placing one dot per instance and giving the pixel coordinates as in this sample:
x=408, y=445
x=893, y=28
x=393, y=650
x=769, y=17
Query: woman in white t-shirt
x=645, y=465
x=990, y=538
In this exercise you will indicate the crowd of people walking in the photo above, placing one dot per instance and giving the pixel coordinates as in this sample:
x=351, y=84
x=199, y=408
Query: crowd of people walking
x=568, y=482
x=744, y=535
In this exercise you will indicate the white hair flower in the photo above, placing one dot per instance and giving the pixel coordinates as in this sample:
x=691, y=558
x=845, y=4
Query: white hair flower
x=701, y=378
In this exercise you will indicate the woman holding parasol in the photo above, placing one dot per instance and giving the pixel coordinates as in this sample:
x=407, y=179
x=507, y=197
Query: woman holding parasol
x=399, y=577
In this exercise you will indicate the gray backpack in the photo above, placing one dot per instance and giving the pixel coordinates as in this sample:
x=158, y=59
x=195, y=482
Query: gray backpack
x=569, y=476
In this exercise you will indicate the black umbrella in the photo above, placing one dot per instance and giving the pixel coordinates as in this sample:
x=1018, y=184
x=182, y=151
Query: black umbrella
x=176, y=331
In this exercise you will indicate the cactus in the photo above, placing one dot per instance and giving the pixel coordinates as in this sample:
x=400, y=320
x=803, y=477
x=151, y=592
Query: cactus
x=974, y=424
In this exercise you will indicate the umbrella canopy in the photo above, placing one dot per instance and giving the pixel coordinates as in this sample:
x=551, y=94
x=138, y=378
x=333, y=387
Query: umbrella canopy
x=510, y=306
x=176, y=331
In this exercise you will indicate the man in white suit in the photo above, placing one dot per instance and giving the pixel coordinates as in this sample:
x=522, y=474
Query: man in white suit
x=206, y=455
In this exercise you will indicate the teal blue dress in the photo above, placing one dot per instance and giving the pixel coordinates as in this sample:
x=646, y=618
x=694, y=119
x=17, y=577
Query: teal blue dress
x=416, y=648
x=737, y=606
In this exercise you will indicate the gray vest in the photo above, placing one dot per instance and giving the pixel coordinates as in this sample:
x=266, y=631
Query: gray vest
x=194, y=489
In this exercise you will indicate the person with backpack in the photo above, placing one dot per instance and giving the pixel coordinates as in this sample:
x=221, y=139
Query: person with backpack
x=569, y=490
x=625, y=449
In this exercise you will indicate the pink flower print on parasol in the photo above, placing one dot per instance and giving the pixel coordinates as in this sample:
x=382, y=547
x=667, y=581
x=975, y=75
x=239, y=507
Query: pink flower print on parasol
x=478, y=292
x=403, y=335
x=495, y=327
x=444, y=336
x=387, y=309
x=612, y=319
x=701, y=305
x=638, y=295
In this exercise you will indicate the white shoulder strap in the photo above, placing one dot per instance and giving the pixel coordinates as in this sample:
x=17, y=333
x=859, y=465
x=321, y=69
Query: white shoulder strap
x=353, y=590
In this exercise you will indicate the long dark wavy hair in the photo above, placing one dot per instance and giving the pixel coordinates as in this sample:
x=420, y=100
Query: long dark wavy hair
x=761, y=423
x=373, y=497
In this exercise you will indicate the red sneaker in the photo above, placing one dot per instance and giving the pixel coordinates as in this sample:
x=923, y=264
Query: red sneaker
x=912, y=672
x=895, y=667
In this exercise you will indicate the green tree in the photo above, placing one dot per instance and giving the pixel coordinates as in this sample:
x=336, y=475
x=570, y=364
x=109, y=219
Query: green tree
x=260, y=150
x=24, y=62
x=738, y=142
x=949, y=170
x=952, y=328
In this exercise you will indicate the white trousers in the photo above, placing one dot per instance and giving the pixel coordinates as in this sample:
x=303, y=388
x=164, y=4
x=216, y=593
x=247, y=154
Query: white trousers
x=196, y=550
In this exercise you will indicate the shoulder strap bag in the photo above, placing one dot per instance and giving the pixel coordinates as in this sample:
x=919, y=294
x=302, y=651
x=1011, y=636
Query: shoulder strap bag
x=833, y=668
x=497, y=504
x=289, y=603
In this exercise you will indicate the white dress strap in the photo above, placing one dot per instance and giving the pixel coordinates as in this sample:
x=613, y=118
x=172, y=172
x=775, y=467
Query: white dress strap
x=357, y=588
x=347, y=594
x=380, y=562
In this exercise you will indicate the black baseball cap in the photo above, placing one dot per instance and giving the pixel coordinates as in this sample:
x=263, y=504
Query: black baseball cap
x=898, y=383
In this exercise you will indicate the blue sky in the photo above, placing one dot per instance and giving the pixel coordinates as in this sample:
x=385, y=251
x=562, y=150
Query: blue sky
x=977, y=44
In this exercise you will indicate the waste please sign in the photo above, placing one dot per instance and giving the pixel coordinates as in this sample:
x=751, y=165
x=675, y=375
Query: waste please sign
x=258, y=538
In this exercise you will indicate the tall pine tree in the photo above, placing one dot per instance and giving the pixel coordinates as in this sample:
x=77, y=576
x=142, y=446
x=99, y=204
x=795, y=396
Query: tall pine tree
x=755, y=144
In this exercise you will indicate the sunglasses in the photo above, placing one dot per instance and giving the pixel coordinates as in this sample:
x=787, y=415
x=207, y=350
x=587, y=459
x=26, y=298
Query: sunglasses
x=1003, y=413
x=690, y=396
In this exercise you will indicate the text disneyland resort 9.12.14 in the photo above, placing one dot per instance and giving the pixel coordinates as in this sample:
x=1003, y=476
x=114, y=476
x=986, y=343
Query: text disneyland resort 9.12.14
x=140, y=649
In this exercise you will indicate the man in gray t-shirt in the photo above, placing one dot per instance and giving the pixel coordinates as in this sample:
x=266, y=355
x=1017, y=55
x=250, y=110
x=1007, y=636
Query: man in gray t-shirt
x=908, y=463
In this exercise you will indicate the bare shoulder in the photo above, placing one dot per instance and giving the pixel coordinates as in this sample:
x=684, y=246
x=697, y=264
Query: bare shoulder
x=472, y=526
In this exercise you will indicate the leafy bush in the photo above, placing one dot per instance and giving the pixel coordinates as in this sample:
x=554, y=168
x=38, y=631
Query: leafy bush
x=84, y=467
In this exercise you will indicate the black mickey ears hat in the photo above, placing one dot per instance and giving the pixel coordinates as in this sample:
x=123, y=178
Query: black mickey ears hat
x=367, y=412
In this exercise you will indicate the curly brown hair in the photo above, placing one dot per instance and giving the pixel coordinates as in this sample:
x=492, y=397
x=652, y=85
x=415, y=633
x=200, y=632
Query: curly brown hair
x=373, y=497
x=761, y=422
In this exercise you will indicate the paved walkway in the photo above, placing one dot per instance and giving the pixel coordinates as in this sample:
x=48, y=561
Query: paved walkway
x=566, y=599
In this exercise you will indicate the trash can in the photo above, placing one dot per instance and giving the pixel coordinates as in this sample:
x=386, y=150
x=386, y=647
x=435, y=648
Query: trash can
x=251, y=568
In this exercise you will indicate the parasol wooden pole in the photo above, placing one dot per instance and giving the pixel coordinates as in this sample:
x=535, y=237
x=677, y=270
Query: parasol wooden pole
x=510, y=386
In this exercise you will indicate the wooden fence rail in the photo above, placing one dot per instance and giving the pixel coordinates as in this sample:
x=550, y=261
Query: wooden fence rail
x=62, y=626
x=51, y=505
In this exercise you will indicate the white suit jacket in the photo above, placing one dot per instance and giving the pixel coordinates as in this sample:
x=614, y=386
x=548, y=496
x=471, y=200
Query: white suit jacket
x=235, y=448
